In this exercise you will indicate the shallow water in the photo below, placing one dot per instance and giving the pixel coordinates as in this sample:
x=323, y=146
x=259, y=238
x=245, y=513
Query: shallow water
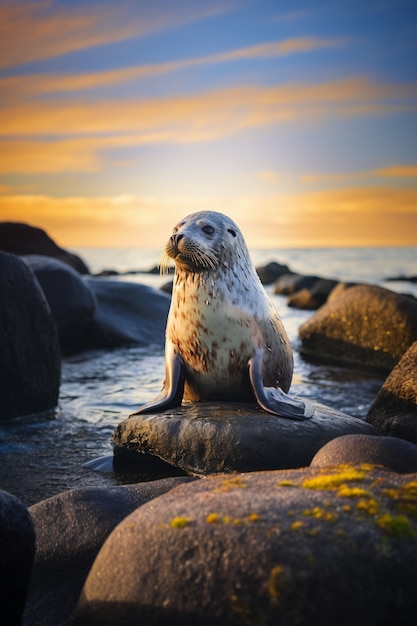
x=40, y=457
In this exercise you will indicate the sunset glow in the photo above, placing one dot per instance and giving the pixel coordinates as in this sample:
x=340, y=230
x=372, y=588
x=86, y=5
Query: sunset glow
x=117, y=119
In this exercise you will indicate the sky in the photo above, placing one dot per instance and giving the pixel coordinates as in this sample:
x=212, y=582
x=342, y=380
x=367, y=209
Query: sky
x=298, y=119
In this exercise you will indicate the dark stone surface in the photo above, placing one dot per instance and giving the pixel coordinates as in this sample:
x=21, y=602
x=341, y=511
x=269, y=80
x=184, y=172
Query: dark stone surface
x=30, y=362
x=270, y=272
x=314, y=297
x=291, y=283
x=208, y=437
x=71, y=301
x=268, y=548
x=17, y=549
x=366, y=326
x=391, y=452
x=394, y=409
x=22, y=239
x=127, y=313
x=70, y=530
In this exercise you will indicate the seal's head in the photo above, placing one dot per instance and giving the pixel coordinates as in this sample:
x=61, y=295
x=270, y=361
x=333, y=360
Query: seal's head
x=203, y=241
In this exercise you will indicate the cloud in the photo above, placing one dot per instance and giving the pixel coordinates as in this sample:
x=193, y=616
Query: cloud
x=354, y=216
x=33, y=31
x=15, y=88
x=208, y=115
x=392, y=171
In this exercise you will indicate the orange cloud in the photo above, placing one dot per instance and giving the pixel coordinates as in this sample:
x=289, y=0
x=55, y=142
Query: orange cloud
x=209, y=115
x=393, y=171
x=358, y=216
x=35, y=31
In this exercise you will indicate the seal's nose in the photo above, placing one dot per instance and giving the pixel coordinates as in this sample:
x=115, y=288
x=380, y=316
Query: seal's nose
x=176, y=238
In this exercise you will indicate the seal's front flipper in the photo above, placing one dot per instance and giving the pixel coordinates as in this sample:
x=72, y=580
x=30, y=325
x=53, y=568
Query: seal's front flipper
x=173, y=389
x=274, y=400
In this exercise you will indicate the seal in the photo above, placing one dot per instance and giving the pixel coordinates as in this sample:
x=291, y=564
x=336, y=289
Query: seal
x=224, y=338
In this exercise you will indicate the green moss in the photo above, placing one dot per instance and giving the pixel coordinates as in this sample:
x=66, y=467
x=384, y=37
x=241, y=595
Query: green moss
x=179, y=522
x=345, y=491
x=277, y=582
x=320, y=513
x=227, y=484
x=368, y=505
x=397, y=525
x=331, y=481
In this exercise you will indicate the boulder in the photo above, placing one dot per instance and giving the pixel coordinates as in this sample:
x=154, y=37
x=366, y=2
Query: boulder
x=390, y=452
x=291, y=283
x=22, y=239
x=338, y=290
x=209, y=437
x=17, y=549
x=71, y=301
x=30, y=360
x=70, y=530
x=127, y=313
x=367, y=326
x=314, y=297
x=270, y=272
x=394, y=409
x=289, y=547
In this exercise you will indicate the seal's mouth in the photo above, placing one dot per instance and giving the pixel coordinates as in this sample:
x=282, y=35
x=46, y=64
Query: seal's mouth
x=190, y=256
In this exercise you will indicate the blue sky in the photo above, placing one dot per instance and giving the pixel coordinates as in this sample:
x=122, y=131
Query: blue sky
x=297, y=119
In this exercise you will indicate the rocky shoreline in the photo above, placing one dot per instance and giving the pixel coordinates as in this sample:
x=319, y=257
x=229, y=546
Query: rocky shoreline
x=320, y=534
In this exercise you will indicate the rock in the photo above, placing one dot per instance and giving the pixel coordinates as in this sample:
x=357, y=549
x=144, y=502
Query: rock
x=292, y=547
x=208, y=437
x=390, y=452
x=291, y=283
x=70, y=530
x=167, y=287
x=127, y=313
x=270, y=272
x=394, y=409
x=367, y=326
x=22, y=239
x=30, y=361
x=71, y=301
x=339, y=290
x=17, y=549
x=314, y=297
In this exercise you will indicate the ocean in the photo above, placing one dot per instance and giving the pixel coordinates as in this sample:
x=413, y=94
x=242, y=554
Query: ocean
x=40, y=457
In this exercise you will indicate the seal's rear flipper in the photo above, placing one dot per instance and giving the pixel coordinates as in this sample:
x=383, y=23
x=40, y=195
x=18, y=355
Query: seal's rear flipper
x=274, y=400
x=173, y=389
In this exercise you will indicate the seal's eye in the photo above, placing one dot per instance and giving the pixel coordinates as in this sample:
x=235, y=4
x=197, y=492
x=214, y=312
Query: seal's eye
x=232, y=232
x=209, y=230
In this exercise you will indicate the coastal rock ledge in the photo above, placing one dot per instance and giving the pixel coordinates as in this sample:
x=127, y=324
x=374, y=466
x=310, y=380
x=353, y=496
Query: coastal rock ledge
x=209, y=437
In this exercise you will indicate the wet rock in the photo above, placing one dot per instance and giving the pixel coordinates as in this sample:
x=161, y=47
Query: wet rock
x=314, y=297
x=366, y=326
x=30, y=361
x=17, y=549
x=339, y=290
x=70, y=530
x=127, y=313
x=394, y=409
x=209, y=437
x=292, y=547
x=390, y=452
x=22, y=239
x=168, y=287
x=270, y=272
x=71, y=301
x=291, y=283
